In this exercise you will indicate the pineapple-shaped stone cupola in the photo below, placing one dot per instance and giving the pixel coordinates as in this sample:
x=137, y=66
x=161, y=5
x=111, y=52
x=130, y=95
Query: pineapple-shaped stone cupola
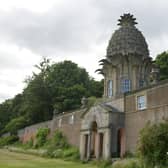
x=127, y=64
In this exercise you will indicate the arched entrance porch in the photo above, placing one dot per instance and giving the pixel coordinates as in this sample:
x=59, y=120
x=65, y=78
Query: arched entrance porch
x=93, y=143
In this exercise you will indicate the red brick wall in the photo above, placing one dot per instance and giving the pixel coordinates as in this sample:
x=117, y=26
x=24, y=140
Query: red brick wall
x=70, y=130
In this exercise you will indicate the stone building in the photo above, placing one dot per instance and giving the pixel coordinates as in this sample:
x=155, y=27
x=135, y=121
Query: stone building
x=111, y=127
x=132, y=97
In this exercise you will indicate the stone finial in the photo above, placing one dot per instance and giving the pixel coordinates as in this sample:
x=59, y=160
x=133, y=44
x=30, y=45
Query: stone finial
x=127, y=19
x=84, y=101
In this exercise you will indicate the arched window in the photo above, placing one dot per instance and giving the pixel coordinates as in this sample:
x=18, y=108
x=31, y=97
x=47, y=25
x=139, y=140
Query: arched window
x=125, y=85
x=110, y=88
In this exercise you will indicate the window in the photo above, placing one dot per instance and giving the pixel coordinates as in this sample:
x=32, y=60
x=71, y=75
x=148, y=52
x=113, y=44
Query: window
x=141, y=102
x=71, y=119
x=141, y=83
x=125, y=85
x=110, y=88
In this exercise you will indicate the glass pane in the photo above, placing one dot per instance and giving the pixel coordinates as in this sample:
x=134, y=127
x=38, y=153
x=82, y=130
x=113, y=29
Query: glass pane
x=141, y=102
x=110, y=88
x=125, y=85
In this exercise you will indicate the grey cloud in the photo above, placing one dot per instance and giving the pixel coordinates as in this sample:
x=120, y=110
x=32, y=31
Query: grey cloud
x=77, y=25
x=69, y=29
x=151, y=14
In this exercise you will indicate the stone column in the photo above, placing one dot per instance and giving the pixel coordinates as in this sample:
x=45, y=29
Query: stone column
x=107, y=145
x=97, y=146
x=82, y=146
x=89, y=146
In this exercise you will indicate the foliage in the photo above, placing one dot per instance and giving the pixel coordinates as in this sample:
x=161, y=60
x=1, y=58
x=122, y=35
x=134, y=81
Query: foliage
x=58, y=147
x=37, y=104
x=128, y=163
x=72, y=153
x=91, y=101
x=104, y=163
x=41, y=137
x=5, y=113
x=153, y=144
x=8, y=140
x=58, y=86
x=69, y=83
x=70, y=97
x=129, y=154
x=59, y=140
x=162, y=61
x=96, y=88
x=15, y=124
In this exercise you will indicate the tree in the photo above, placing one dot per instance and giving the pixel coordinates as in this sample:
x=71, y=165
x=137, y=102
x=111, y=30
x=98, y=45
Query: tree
x=15, y=124
x=96, y=88
x=162, y=61
x=5, y=113
x=37, y=105
x=153, y=144
x=68, y=84
x=58, y=86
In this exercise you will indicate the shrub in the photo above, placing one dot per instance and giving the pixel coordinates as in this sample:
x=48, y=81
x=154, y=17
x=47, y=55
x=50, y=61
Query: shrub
x=30, y=143
x=58, y=147
x=72, y=153
x=153, y=144
x=58, y=153
x=105, y=164
x=129, y=154
x=8, y=140
x=41, y=137
x=127, y=163
x=59, y=140
x=15, y=124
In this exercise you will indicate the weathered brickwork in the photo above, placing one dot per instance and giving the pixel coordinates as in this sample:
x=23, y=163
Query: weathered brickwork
x=68, y=123
x=156, y=110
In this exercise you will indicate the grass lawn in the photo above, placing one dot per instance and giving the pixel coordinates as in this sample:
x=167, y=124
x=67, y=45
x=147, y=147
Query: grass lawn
x=19, y=160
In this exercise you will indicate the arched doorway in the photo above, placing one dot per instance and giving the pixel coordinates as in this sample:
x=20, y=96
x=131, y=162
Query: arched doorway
x=93, y=139
x=120, y=142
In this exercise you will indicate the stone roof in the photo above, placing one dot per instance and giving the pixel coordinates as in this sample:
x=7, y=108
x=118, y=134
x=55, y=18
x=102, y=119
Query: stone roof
x=127, y=39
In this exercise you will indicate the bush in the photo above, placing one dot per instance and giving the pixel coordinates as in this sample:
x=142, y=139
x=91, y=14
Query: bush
x=41, y=137
x=153, y=144
x=8, y=140
x=59, y=141
x=58, y=153
x=129, y=154
x=105, y=164
x=71, y=153
x=58, y=147
x=15, y=124
x=127, y=163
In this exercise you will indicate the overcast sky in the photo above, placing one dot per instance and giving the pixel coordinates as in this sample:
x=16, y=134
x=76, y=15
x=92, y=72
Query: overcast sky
x=77, y=30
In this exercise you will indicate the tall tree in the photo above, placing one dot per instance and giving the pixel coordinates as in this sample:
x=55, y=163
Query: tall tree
x=37, y=100
x=162, y=61
x=68, y=84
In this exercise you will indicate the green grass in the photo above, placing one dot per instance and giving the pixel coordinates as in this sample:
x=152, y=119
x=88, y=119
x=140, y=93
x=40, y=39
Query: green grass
x=19, y=160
